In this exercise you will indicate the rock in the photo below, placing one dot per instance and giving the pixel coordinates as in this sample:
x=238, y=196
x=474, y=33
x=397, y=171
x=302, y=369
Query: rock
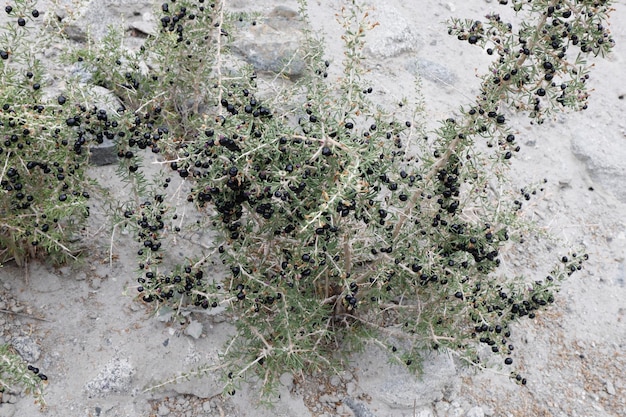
x=603, y=158
x=96, y=283
x=216, y=313
x=351, y=388
x=343, y=410
x=399, y=388
x=394, y=34
x=274, y=44
x=80, y=73
x=11, y=399
x=163, y=410
x=565, y=183
x=164, y=314
x=441, y=408
x=115, y=377
x=450, y=390
x=475, y=412
x=432, y=71
x=95, y=16
x=27, y=348
x=286, y=380
x=610, y=388
x=7, y=410
x=144, y=27
x=455, y=412
x=328, y=399
x=194, y=329
x=358, y=408
x=16, y=308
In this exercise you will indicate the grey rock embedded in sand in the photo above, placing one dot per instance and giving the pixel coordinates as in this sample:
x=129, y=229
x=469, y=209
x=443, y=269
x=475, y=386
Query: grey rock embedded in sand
x=27, y=348
x=432, y=71
x=7, y=410
x=287, y=380
x=274, y=44
x=397, y=387
x=194, y=329
x=394, y=34
x=358, y=408
x=610, y=388
x=603, y=159
x=114, y=378
x=93, y=17
x=475, y=412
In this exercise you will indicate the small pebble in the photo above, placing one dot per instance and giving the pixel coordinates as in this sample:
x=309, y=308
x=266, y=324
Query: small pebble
x=610, y=388
x=17, y=309
x=7, y=410
x=286, y=380
x=163, y=410
x=475, y=412
x=350, y=388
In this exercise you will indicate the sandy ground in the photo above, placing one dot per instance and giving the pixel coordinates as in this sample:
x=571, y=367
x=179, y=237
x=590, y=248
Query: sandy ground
x=102, y=350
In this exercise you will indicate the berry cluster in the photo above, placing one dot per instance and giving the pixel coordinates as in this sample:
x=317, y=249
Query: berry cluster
x=541, y=66
x=35, y=370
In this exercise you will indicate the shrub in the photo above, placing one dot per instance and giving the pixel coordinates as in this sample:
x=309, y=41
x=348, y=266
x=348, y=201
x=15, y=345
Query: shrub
x=340, y=222
x=43, y=149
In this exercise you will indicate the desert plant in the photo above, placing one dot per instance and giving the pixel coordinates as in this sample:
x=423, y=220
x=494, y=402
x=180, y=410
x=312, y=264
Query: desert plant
x=16, y=375
x=342, y=222
x=45, y=139
x=43, y=149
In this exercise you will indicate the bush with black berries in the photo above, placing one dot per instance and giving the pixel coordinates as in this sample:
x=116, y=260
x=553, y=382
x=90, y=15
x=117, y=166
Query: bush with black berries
x=340, y=222
x=43, y=149
x=44, y=152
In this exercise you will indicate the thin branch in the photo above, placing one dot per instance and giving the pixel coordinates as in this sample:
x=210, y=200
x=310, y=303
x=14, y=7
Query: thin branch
x=25, y=315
